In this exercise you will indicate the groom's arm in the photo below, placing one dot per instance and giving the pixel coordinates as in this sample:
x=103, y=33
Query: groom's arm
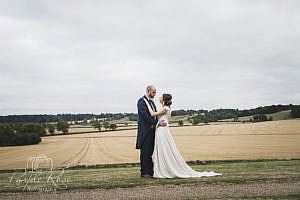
x=145, y=113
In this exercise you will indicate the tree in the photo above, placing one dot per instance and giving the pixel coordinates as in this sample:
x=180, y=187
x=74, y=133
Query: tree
x=7, y=135
x=236, y=119
x=180, y=123
x=270, y=118
x=62, y=126
x=51, y=128
x=27, y=138
x=205, y=120
x=133, y=117
x=106, y=125
x=295, y=112
x=260, y=118
x=97, y=125
x=195, y=121
x=31, y=128
x=113, y=126
x=20, y=134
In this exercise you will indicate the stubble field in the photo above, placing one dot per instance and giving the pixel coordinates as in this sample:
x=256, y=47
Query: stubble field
x=265, y=140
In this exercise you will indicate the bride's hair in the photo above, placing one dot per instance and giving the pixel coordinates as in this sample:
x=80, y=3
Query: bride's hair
x=167, y=98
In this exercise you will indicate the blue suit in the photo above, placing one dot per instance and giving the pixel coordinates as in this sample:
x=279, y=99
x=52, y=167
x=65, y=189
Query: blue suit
x=145, y=135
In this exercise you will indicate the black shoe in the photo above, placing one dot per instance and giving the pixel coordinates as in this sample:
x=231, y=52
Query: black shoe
x=146, y=176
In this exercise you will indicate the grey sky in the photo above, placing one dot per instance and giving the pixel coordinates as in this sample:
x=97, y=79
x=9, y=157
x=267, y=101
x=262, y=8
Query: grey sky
x=98, y=56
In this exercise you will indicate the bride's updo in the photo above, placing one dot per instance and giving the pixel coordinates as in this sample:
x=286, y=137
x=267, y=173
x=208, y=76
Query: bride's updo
x=167, y=98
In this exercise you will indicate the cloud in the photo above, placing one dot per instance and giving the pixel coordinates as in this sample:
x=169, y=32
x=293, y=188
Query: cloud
x=97, y=56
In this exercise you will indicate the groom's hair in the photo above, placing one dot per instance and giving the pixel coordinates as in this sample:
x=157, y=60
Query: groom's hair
x=149, y=88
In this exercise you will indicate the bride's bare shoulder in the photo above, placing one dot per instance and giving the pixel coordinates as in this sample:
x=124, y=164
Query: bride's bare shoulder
x=167, y=108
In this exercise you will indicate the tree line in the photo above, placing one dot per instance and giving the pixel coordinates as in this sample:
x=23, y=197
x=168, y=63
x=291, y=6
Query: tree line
x=203, y=115
x=12, y=134
x=231, y=113
x=259, y=114
x=65, y=117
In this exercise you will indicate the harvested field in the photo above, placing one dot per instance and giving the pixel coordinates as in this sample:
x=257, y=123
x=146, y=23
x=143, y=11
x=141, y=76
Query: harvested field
x=265, y=140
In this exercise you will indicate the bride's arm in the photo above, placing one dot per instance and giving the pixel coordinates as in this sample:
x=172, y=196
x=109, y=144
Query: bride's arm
x=152, y=113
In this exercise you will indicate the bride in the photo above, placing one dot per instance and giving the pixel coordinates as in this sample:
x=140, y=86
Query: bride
x=167, y=160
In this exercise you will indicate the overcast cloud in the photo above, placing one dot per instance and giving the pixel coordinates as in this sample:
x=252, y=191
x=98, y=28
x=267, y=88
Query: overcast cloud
x=98, y=56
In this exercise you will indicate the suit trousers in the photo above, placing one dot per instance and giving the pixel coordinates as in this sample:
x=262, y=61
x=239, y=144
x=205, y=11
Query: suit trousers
x=146, y=152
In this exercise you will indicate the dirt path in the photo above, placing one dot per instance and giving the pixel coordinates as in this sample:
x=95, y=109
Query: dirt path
x=169, y=192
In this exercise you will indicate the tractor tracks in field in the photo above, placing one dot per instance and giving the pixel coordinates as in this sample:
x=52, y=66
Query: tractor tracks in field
x=79, y=156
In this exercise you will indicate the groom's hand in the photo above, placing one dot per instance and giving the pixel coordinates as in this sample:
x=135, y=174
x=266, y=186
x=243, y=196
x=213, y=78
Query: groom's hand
x=162, y=123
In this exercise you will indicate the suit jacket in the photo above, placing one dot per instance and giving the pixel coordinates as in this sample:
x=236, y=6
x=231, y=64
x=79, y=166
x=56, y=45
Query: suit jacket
x=146, y=123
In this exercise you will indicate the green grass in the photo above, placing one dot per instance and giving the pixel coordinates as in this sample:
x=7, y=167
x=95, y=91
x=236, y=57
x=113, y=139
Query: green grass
x=239, y=172
x=283, y=115
x=290, y=197
x=175, y=119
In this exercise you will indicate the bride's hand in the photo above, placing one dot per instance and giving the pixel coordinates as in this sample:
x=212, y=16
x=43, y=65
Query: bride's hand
x=162, y=123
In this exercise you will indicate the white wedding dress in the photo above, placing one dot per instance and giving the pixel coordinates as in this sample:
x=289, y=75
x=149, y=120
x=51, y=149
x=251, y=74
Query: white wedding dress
x=168, y=163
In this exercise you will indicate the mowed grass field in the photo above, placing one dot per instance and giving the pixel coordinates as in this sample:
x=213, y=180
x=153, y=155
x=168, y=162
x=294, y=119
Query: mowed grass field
x=264, y=140
x=255, y=177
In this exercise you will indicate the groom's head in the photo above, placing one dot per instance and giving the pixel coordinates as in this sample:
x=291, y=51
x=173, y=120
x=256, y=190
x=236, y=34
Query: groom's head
x=151, y=91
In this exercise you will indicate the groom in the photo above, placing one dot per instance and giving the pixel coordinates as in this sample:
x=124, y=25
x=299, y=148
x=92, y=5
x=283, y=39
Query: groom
x=146, y=132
